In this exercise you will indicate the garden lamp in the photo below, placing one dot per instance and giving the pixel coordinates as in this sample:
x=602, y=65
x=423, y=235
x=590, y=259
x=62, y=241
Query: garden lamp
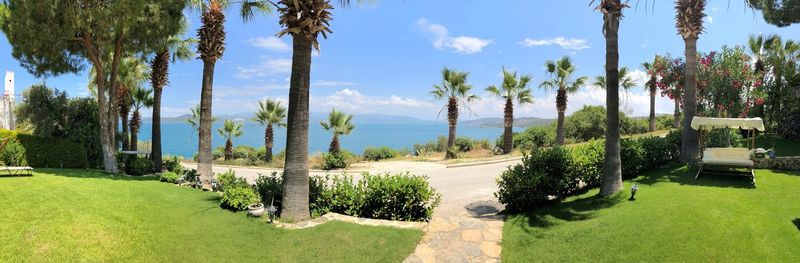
x=634, y=188
x=271, y=210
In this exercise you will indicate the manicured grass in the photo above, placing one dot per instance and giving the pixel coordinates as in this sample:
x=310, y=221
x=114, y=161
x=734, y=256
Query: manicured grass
x=674, y=219
x=783, y=147
x=79, y=215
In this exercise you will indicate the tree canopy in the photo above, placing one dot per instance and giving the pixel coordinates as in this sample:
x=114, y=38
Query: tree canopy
x=778, y=12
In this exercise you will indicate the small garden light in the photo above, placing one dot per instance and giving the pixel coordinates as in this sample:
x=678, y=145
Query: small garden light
x=271, y=210
x=634, y=188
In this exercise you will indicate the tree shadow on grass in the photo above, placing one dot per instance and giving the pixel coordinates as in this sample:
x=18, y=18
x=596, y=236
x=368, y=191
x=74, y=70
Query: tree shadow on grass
x=681, y=174
x=574, y=210
x=796, y=222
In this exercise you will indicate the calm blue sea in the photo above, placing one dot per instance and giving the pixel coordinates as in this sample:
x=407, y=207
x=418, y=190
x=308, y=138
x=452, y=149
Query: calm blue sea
x=178, y=138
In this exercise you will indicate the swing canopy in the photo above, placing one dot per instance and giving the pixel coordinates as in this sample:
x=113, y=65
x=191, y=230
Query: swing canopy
x=706, y=123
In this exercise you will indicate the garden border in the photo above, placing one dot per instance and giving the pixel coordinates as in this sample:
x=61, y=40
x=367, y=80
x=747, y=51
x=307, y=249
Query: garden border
x=351, y=219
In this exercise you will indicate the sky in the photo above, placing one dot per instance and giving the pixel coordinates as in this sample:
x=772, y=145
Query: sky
x=385, y=56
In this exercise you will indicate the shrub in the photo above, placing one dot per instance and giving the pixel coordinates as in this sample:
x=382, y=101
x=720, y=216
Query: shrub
x=542, y=174
x=632, y=156
x=724, y=138
x=172, y=164
x=237, y=193
x=270, y=189
x=13, y=154
x=168, y=177
x=400, y=196
x=191, y=176
x=331, y=161
x=377, y=154
x=588, y=161
x=139, y=166
x=657, y=152
x=464, y=144
x=674, y=141
x=439, y=145
x=245, y=152
x=48, y=152
x=533, y=137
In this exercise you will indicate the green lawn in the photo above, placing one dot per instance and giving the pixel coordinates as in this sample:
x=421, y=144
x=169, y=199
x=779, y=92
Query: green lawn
x=79, y=215
x=783, y=147
x=675, y=219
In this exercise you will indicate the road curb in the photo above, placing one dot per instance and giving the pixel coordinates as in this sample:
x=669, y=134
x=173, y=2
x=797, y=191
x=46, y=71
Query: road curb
x=482, y=163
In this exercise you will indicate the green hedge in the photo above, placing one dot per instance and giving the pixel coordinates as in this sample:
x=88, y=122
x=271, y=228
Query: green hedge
x=555, y=172
x=41, y=152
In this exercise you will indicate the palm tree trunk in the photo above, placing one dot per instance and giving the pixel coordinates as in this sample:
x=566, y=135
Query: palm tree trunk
x=676, y=123
x=155, y=150
x=228, y=149
x=268, y=139
x=334, y=147
x=652, y=127
x=126, y=144
x=136, y=123
x=612, y=168
x=204, y=154
x=452, y=121
x=295, y=187
x=690, y=143
x=508, y=133
x=561, y=106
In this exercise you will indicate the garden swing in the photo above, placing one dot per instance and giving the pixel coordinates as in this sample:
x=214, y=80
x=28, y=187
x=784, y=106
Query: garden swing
x=727, y=160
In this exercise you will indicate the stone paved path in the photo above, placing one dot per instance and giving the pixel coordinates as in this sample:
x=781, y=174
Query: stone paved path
x=468, y=233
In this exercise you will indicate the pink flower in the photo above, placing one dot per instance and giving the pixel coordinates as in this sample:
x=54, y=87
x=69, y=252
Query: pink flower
x=759, y=101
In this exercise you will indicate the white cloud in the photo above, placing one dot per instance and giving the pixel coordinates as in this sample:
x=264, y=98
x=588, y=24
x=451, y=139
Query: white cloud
x=248, y=90
x=565, y=43
x=270, y=43
x=442, y=39
x=264, y=68
x=639, y=76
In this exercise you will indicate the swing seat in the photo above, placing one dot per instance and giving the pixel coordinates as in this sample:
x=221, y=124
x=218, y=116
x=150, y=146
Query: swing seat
x=737, y=157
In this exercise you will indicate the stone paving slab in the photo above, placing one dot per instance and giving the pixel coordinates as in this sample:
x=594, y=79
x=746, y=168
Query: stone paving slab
x=466, y=234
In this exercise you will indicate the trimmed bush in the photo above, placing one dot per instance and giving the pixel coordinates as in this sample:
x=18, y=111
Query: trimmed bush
x=13, y=154
x=42, y=152
x=632, y=155
x=384, y=196
x=657, y=152
x=172, y=164
x=533, y=137
x=237, y=193
x=139, y=166
x=543, y=175
x=377, y=154
x=332, y=161
x=587, y=162
x=168, y=177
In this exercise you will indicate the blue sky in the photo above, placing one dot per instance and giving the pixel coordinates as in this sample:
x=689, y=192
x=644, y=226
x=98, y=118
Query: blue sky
x=385, y=56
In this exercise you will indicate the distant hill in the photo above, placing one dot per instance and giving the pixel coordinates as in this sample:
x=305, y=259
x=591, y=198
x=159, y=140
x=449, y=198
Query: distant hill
x=498, y=122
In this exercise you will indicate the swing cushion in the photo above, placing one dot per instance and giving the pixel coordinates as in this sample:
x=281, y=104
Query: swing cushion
x=739, y=157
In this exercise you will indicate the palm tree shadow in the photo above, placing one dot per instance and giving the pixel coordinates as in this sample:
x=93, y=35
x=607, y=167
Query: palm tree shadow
x=92, y=174
x=681, y=174
x=575, y=210
x=796, y=222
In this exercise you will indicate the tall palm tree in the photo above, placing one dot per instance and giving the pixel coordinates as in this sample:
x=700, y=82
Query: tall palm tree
x=455, y=90
x=177, y=49
x=140, y=98
x=652, y=69
x=270, y=113
x=626, y=80
x=194, y=120
x=339, y=123
x=689, y=22
x=612, y=166
x=513, y=88
x=561, y=72
x=229, y=130
x=211, y=46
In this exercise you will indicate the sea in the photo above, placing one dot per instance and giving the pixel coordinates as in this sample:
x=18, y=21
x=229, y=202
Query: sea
x=180, y=139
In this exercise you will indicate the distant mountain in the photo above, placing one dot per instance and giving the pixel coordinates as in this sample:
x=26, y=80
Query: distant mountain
x=498, y=122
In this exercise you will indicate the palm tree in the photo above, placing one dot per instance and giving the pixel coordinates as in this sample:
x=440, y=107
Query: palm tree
x=652, y=69
x=561, y=70
x=455, y=90
x=194, y=120
x=689, y=17
x=612, y=166
x=513, y=88
x=178, y=49
x=140, y=98
x=626, y=80
x=339, y=123
x=229, y=130
x=270, y=112
x=211, y=46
